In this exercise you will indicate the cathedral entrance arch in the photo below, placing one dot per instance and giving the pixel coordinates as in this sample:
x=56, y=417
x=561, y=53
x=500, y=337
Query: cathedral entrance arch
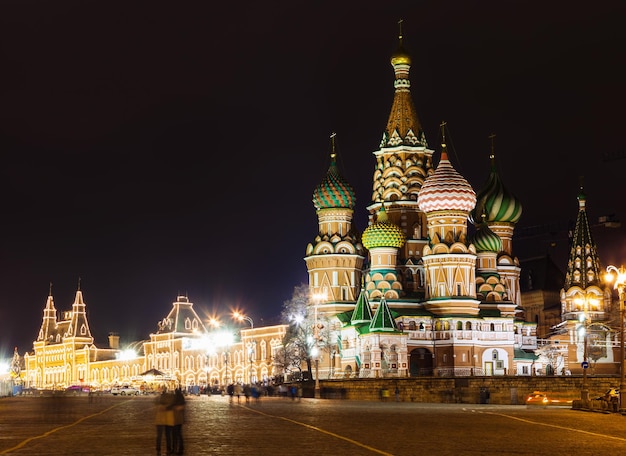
x=421, y=362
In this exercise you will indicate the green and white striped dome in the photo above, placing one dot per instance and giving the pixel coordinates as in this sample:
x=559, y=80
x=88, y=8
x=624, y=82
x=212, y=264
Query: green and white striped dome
x=485, y=240
x=496, y=202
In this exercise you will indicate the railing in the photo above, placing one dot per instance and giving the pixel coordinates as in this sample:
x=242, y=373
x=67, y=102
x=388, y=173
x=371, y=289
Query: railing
x=460, y=372
x=459, y=335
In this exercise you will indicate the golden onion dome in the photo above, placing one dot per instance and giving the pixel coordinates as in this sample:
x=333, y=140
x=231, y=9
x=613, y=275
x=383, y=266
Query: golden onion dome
x=400, y=56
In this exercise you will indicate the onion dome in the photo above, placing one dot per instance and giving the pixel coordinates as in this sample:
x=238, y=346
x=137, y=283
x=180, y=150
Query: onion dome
x=495, y=201
x=334, y=191
x=485, y=240
x=400, y=56
x=383, y=233
x=446, y=189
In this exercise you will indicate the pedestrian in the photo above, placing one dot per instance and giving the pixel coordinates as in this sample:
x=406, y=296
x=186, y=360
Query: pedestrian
x=164, y=421
x=179, y=420
x=397, y=394
x=230, y=389
x=238, y=392
x=247, y=392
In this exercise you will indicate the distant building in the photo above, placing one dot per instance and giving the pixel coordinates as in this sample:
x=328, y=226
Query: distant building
x=181, y=349
x=584, y=329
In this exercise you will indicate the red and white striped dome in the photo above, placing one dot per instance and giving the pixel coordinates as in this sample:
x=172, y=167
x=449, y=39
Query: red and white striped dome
x=446, y=190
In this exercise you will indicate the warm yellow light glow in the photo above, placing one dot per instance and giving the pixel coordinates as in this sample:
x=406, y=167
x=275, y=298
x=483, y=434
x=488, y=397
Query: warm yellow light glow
x=616, y=276
x=127, y=354
x=241, y=317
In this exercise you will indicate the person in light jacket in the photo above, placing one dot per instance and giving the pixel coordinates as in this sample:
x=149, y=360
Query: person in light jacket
x=164, y=421
x=179, y=420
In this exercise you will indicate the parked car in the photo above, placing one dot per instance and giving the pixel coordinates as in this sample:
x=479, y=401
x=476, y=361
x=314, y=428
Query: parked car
x=77, y=389
x=125, y=390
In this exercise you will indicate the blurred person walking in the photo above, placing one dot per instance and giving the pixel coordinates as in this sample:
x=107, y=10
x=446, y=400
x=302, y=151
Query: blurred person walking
x=164, y=421
x=179, y=420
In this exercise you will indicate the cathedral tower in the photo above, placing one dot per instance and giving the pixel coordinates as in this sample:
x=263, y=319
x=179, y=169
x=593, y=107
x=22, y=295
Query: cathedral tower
x=449, y=258
x=403, y=162
x=501, y=210
x=335, y=258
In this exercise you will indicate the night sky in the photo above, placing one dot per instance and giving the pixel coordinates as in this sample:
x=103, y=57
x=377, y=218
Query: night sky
x=160, y=148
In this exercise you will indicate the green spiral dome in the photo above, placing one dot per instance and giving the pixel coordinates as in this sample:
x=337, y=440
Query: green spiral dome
x=334, y=191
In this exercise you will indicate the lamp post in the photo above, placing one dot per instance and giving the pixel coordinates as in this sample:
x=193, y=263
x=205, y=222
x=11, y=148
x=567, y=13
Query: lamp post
x=251, y=359
x=317, y=298
x=583, y=329
x=241, y=317
x=620, y=284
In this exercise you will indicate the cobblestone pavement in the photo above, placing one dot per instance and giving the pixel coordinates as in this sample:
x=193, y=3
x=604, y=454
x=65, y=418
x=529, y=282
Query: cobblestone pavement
x=107, y=426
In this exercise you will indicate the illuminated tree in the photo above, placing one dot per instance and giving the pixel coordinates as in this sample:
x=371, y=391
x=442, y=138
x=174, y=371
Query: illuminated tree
x=306, y=331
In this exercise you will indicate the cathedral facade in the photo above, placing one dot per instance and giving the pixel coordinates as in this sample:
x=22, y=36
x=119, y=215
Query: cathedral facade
x=416, y=293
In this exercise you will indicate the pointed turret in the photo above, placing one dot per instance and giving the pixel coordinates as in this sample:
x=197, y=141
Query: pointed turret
x=362, y=313
x=583, y=265
x=403, y=162
x=49, y=324
x=383, y=321
x=403, y=126
x=79, y=327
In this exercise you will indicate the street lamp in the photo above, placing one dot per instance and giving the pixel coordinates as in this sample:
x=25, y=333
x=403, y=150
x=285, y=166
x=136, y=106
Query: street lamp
x=224, y=340
x=241, y=317
x=251, y=359
x=583, y=330
x=620, y=284
x=317, y=298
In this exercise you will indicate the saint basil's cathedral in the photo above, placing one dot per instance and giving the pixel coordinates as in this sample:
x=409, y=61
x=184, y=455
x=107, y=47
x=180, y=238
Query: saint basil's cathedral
x=415, y=294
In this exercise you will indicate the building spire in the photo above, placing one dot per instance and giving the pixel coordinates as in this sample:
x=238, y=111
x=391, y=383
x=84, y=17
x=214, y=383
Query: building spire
x=583, y=264
x=403, y=126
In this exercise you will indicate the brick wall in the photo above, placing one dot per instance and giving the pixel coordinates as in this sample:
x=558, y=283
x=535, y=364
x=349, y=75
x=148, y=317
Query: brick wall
x=467, y=390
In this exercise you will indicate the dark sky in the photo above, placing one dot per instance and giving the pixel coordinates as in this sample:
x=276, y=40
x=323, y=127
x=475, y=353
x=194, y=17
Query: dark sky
x=157, y=148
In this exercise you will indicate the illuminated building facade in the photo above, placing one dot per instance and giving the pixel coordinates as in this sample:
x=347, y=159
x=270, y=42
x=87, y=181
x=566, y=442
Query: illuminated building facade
x=418, y=293
x=182, y=349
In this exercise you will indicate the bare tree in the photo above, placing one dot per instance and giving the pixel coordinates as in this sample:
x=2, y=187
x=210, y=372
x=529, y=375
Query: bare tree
x=306, y=332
